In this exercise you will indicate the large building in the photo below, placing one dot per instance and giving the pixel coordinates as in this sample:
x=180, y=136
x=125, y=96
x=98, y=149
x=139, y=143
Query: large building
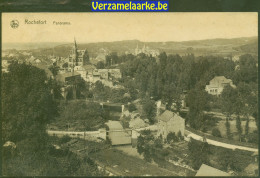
x=146, y=50
x=78, y=57
x=170, y=122
x=217, y=84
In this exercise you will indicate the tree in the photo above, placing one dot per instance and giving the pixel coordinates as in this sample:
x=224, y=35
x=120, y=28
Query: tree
x=248, y=69
x=216, y=132
x=65, y=65
x=197, y=100
x=144, y=144
x=151, y=148
x=81, y=88
x=227, y=107
x=171, y=137
x=198, y=153
x=132, y=107
x=29, y=106
x=238, y=126
x=100, y=65
x=230, y=159
x=54, y=70
x=228, y=132
x=90, y=116
x=55, y=88
x=247, y=127
x=149, y=109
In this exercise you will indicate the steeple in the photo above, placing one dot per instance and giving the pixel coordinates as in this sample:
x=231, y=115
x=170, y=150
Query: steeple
x=75, y=56
x=75, y=44
x=75, y=53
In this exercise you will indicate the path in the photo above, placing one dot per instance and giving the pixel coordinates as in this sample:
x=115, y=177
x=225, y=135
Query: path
x=189, y=134
x=221, y=144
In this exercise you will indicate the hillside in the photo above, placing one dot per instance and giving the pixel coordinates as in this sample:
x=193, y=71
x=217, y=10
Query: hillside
x=199, y=47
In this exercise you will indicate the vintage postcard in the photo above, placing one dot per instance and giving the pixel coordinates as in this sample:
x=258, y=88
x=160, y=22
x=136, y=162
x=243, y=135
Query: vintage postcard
x=129, y=94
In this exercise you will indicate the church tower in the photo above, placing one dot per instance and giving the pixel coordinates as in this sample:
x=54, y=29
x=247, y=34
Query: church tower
x=78, y=57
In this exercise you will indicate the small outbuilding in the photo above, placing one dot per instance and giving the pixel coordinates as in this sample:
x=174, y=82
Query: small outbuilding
x=208, y=171
x=117, y=134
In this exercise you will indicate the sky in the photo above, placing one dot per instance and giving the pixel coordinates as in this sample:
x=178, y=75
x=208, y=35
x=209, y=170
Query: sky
x=147, y=27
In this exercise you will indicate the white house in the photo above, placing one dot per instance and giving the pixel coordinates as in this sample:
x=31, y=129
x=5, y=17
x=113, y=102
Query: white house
x=217, y=84
x=170, y=122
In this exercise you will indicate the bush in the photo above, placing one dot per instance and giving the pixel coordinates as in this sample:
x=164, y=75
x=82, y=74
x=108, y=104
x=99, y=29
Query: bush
x=65, y=139
x=216, y=132
x=253, y=137
x=171, y=137
x=132, y=107
x=198, y=153
x=179, y=135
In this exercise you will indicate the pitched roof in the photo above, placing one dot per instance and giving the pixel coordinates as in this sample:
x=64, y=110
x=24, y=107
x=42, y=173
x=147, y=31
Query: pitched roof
x=114, y=125
x=69, y=74
x=89, y=67
x=206, y=170
x=222, y=78
x=62, y=76
x=167, y=115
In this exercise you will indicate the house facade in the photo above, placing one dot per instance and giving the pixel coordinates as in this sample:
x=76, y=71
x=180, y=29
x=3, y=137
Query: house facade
x=217, y=84
x=104, y=75
x=170, y=122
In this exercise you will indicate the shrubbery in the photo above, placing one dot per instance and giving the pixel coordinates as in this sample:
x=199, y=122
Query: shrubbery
x=151, y=148
x=65, y=139
x=253, y=137
x=132, y=107
x=198, y=153
x=216, y=132
x=171, y=137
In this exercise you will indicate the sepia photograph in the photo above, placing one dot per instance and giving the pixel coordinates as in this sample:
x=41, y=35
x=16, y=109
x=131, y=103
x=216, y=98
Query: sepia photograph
x=129, y=94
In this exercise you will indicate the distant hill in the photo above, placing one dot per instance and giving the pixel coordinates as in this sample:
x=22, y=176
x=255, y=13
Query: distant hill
x=29, y=46
x=198, y=47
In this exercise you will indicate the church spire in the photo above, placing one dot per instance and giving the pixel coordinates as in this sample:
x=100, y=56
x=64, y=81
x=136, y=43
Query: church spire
x=74, y=58
x=75, y=43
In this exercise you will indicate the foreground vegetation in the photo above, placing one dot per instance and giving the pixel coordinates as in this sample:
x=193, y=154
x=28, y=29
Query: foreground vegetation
x=28, y=105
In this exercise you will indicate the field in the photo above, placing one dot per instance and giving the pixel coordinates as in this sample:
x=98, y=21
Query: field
x=126, y=165
x=222, y=128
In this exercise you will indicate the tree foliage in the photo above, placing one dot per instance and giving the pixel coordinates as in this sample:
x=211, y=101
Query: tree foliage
x=149, y=109
x=100, y=65
x=216, y=132
x=151, y=148
x=90, y=115
x=198, y=153
x=27, y=102
x=198, y=102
